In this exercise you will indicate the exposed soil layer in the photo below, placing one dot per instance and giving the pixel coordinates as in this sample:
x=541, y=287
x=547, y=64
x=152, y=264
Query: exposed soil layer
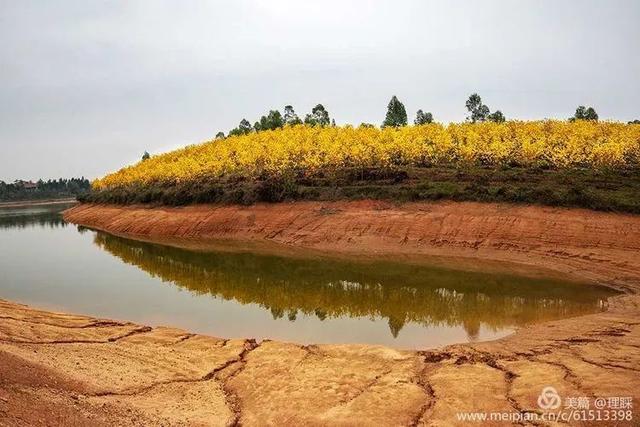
x=67, y=369
x=586, y=245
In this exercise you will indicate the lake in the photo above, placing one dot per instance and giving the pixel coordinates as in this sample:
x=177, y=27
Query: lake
x=50, y=264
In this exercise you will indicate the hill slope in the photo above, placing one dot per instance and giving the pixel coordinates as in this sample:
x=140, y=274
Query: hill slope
x=587, y=164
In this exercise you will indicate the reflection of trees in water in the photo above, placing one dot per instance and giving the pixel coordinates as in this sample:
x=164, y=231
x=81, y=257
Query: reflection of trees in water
x=43, y=220
x=328, y=288
x=45, y=216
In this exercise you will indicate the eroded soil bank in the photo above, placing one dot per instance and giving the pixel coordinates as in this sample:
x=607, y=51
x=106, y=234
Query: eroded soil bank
x=67, y=369
x=586, y=245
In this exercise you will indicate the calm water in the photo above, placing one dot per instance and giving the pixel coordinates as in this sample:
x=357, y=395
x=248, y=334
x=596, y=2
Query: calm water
x=51, y=264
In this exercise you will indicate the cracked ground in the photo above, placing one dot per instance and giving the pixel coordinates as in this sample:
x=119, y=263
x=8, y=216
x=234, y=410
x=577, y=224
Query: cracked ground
x=60, y=369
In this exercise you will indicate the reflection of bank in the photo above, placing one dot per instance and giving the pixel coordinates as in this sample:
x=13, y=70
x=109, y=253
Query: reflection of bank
x=330, y=288
x=472, y=328
x=45, y=217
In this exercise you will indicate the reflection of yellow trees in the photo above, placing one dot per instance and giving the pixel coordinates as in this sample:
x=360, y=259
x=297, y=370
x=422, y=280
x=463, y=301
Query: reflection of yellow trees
x=328, y=288
x=302, y=148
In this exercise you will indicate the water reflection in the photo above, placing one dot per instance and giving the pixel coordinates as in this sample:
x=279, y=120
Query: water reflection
x=398, y=293
x=47, y=216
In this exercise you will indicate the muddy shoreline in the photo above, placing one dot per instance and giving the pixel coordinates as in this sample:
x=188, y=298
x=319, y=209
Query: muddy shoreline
x=99, y=371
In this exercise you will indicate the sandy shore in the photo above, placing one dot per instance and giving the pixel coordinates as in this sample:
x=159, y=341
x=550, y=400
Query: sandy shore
x=69, y=369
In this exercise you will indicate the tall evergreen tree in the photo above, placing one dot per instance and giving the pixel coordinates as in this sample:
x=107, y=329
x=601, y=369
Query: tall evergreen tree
x=497, y=117
x=262, y=124
x=271, y=121
x=584, y=113
x=423, y=118
x=396, y=114
x=274, y=120
x=243, y=128
x=290, y=116
x=319, y=117
x=591, y=114
x=479, y=111
x=579, y=114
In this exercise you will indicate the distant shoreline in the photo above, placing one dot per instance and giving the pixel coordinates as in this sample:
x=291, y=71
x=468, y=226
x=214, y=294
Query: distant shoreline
x=25, y=203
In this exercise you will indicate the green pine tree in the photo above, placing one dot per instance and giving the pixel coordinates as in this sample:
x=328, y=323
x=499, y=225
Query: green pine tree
x=396, y=114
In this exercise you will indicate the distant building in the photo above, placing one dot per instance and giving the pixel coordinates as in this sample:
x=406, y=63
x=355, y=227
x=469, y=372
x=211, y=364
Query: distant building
x=27, y=185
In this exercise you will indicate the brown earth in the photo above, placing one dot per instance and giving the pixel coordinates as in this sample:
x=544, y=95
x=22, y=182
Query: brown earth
x=586, y=245
x=66, y=369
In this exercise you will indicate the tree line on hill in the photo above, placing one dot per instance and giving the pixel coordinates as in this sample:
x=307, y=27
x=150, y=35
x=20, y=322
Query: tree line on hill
x=396, y=116
x=319, y=116
x=50, y=189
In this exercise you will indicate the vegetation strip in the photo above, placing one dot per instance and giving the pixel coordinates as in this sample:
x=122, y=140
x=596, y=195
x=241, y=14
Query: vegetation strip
x=581, y=163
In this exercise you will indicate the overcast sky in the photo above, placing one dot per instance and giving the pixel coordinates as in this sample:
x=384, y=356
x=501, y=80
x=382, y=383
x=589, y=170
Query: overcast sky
x=87, y=86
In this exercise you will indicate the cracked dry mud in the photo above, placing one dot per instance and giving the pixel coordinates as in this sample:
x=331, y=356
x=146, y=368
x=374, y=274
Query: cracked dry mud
x=60, y=369
x=74, y=370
